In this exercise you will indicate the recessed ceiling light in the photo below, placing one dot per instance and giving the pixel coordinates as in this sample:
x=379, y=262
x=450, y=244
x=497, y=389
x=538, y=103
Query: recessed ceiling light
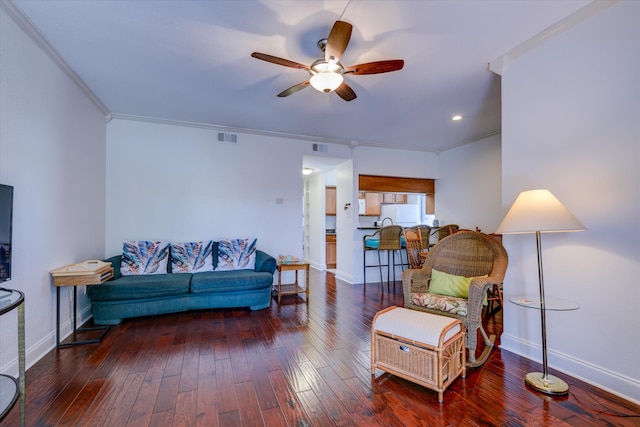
x=456, y=117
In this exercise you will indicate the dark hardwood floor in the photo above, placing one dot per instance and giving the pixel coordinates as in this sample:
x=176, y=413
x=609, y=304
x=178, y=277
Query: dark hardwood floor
x=289, y=365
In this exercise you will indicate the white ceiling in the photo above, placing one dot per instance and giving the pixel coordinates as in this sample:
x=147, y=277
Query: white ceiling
x=189, y=60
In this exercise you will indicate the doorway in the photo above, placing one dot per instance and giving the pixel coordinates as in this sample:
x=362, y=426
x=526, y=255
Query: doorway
x=321, y=220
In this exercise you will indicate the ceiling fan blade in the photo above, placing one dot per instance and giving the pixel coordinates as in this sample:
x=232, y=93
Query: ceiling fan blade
x=279, y=61
x=376, y=67
x=345, y=92
x=293, y=89
x=337, y=41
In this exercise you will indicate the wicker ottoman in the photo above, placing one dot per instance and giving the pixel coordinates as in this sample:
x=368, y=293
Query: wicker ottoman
x=424, y=348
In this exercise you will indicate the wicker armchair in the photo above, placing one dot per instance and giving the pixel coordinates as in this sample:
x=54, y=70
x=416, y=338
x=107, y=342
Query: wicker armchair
x=469, y=254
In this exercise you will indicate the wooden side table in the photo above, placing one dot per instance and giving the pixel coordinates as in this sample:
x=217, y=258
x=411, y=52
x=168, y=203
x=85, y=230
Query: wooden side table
x=293, y=288
x=86, y=273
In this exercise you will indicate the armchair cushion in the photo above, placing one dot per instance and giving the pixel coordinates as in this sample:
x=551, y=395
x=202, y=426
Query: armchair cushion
x=449, y=284
x=444, y=303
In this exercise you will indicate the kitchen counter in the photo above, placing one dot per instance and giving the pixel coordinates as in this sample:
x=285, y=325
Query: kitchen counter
x=373, y=227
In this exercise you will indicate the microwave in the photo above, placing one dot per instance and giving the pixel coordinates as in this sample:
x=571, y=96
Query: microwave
x=362, y=207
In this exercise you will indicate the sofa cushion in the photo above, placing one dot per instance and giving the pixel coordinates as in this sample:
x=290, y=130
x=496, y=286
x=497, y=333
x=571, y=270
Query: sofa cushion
x=236, y=254
x=141, y=286
x=191, y=257
x=230, y=281
x=143, y=257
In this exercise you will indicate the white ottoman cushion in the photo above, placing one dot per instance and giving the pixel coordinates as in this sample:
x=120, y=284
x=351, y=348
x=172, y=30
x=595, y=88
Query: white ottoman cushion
x=415, y=325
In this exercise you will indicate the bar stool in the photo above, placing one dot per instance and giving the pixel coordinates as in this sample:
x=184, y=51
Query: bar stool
x=389, y=239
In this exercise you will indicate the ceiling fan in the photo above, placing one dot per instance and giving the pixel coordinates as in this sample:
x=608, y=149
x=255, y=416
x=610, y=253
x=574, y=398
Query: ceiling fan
x=327, y=74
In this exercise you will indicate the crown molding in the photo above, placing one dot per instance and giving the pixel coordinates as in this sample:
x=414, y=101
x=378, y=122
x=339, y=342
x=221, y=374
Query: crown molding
x=499, y=64
x=30, y=29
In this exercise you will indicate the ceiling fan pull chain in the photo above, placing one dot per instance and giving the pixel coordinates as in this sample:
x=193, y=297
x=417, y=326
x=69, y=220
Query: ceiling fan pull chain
x=345, y=9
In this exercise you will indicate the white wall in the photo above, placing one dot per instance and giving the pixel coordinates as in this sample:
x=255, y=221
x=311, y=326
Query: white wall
x=178, y=183
x=52, y=150
x=469, y=190
x=570, y=124
x=344, y=220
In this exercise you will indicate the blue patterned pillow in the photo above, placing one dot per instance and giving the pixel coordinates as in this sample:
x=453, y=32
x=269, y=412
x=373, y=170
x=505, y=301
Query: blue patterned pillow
x=236, y=254
x=192, y=257
x=143, y=257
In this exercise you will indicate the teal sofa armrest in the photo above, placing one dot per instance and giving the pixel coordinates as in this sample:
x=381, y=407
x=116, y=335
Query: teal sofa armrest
x=115, y=263
x=265, y=262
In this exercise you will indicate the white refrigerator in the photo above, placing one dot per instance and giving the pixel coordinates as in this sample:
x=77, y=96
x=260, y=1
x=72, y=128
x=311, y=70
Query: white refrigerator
x=403, y=215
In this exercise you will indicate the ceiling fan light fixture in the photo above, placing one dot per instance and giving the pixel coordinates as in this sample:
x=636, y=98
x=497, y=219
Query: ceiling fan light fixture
x=327, y=73
x=326, y=81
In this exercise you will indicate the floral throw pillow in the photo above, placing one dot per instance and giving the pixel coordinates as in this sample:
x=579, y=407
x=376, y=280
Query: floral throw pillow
x=191, y=257
x=144, y=257
x=236, y=254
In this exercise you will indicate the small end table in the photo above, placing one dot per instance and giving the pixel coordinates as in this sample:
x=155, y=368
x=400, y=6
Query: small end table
x=86, y=273
x=293, y=288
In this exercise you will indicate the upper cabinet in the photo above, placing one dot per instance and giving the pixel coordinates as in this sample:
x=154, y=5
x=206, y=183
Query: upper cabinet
x=330, y=200
x=372, y=203
x=394, y=198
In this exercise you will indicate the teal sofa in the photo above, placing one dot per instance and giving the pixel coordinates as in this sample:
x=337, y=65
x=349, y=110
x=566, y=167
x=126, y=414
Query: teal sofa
x=145, y=295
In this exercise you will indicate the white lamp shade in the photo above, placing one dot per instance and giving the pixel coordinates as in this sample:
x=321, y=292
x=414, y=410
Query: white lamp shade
x=326, y=81
x=538, y=210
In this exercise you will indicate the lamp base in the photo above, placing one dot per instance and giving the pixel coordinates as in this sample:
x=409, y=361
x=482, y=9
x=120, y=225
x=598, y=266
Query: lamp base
x=552, y=385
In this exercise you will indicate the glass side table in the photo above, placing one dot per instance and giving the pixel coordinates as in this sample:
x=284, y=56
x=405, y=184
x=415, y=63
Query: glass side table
x=542, y=381
x=551, y=304
x=13, y=388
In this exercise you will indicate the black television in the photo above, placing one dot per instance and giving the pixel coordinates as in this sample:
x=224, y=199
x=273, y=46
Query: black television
x=6, y=220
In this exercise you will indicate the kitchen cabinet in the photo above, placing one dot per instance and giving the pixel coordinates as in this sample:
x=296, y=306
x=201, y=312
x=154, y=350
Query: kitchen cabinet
x=400, y=198
x=372, y=203
x=331, y=253
x=395, y=198
x=330, y=200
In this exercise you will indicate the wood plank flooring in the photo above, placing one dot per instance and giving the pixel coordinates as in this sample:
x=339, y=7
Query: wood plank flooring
x=296, y=364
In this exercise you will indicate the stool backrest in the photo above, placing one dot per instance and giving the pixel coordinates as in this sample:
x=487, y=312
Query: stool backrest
x=447, y=230
x=390, y=238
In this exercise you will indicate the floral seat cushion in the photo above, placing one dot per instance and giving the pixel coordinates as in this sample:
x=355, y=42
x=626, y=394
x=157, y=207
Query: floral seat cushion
x=444, y=303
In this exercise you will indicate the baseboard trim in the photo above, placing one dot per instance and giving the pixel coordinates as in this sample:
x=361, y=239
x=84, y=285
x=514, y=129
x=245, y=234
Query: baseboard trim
x=615, y=383
x=48, y=342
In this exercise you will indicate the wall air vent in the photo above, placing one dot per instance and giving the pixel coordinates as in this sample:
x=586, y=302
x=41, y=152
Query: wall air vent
x=230, y=138
x=321, y=148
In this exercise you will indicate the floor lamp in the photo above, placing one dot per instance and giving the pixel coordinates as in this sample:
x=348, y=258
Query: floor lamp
x=538, y=211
